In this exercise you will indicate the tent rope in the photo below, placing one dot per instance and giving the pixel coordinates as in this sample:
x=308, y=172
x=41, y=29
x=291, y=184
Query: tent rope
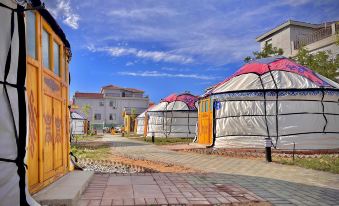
x=276, y=108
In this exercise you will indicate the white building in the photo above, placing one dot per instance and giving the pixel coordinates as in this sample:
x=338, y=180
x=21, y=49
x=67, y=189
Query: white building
x=107, y=107
x=292, y=35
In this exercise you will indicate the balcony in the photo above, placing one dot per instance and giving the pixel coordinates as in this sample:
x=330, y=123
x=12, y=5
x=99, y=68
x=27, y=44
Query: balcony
x=318, y=35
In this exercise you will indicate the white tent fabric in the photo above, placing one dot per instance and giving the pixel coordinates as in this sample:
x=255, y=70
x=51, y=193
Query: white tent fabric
x=13, y=118
x=140, y=123
x=173, y=119
x=77, y=124
x=289, y=109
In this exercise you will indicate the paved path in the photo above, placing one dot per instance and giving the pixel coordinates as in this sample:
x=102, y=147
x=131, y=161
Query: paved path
x=164, y=189
x=280, y=184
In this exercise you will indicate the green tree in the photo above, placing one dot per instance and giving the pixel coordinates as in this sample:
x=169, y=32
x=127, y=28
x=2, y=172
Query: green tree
x=321, y=62
x=267, y=51
x=85, y=109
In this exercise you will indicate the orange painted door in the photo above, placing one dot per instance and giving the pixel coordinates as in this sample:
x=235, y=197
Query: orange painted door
x=205, y=122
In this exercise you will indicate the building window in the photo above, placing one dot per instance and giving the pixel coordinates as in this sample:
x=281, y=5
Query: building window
x=56, y=53
x=97, y=116
x=123, y=94
x=45, y=49
x=101, y=104
x=111, y=103
x=31, y=34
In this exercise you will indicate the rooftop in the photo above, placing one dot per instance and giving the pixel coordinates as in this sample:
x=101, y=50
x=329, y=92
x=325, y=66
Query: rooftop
x=122, y=88
x=286, y=24
x=88, y=95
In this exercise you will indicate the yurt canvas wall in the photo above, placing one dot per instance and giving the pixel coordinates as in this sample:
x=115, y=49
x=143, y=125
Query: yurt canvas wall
x=174, y=116
x=21, y=100
x=279, y=99
x=77, y=124
x=140, y=123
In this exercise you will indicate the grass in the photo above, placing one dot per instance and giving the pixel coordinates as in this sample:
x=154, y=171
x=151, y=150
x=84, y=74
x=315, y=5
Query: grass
x=91, y=152
x=323, y=162
x=82, y=138
x=168, y=141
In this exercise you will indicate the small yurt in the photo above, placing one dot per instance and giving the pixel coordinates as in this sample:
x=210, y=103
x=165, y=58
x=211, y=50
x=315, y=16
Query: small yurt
x=142, y=121
x=34, y=115
x=78, y=123
x=175, y=116
x=271, y=98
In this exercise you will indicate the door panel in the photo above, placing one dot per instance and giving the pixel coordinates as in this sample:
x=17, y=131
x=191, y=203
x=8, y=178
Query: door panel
x=48, y=138
x=205, y=122
x=33, y=141
x=57, y=134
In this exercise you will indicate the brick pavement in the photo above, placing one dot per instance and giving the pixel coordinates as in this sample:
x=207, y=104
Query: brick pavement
x=164, y=189
x=279, y=184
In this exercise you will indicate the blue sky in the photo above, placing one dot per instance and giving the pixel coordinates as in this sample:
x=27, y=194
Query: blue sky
x=170, y=46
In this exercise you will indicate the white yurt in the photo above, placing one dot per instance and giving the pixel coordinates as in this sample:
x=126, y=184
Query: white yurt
x=141, y=123
x=13, y=112
x=77, y=124
x=279, y=99
x=175, y=116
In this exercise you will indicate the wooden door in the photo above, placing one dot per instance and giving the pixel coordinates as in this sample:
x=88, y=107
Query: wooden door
x=47, y=97
x=205, y=122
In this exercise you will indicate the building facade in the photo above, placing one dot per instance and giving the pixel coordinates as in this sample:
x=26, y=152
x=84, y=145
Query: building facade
x=106, y=108
x=292, y=35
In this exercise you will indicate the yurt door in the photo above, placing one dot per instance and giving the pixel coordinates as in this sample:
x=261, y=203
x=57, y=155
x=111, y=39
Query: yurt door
x=54, y=101
x=205, y=122
x=47, y=97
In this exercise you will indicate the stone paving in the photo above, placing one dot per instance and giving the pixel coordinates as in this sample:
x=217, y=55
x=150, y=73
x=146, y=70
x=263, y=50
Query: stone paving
x=164, y=189
x=279, y=184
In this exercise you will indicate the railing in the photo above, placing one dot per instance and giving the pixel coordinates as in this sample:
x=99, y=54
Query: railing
x=315, y=36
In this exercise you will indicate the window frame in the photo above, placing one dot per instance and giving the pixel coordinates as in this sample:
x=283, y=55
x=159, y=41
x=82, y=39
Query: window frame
x=53, y=38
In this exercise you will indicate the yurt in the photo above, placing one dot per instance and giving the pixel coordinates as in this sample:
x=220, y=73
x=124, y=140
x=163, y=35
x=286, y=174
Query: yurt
x=78, y=124
x=142, y=122
x=175, y=116
x=272, y=98
x=34, y=116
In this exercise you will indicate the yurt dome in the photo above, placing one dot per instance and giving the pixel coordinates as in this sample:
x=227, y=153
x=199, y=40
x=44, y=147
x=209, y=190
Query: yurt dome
x=175, y=116
x=276, y=98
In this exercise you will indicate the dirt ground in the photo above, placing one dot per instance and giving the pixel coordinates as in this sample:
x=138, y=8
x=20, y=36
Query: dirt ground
x=158, y=166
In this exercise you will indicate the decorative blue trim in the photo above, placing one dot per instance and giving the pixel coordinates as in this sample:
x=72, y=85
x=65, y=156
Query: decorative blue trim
x=272, y=93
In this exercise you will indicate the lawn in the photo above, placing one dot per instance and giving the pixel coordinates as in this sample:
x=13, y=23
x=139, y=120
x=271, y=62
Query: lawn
x=167, y=141
x=82, y=138
x=323, y=162
x=100, y=150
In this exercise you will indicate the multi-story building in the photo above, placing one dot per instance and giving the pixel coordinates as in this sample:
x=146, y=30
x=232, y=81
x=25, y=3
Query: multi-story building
x=292, y=35
x=107, y=107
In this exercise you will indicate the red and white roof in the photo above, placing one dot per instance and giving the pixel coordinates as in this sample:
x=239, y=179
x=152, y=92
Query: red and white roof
x=184, y=101
x=272, y=73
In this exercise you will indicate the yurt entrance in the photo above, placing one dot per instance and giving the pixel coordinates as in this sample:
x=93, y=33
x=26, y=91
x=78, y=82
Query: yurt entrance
x=205, y=116
x=47, y=97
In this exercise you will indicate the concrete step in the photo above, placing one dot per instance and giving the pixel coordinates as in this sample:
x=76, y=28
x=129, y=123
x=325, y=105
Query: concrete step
x=66, y=191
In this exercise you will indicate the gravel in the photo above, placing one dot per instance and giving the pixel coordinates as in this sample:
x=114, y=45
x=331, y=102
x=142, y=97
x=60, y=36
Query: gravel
x=107, y=166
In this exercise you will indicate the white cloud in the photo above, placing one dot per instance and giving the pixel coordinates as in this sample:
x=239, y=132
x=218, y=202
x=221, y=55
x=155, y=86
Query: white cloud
x=161, y=74
x=156, y=56
x=63, y=8
x=129, y=64
x=142, y=13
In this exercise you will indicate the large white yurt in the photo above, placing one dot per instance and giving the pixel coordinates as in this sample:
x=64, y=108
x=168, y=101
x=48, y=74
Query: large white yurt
x=175, y=116
x=275, y=98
